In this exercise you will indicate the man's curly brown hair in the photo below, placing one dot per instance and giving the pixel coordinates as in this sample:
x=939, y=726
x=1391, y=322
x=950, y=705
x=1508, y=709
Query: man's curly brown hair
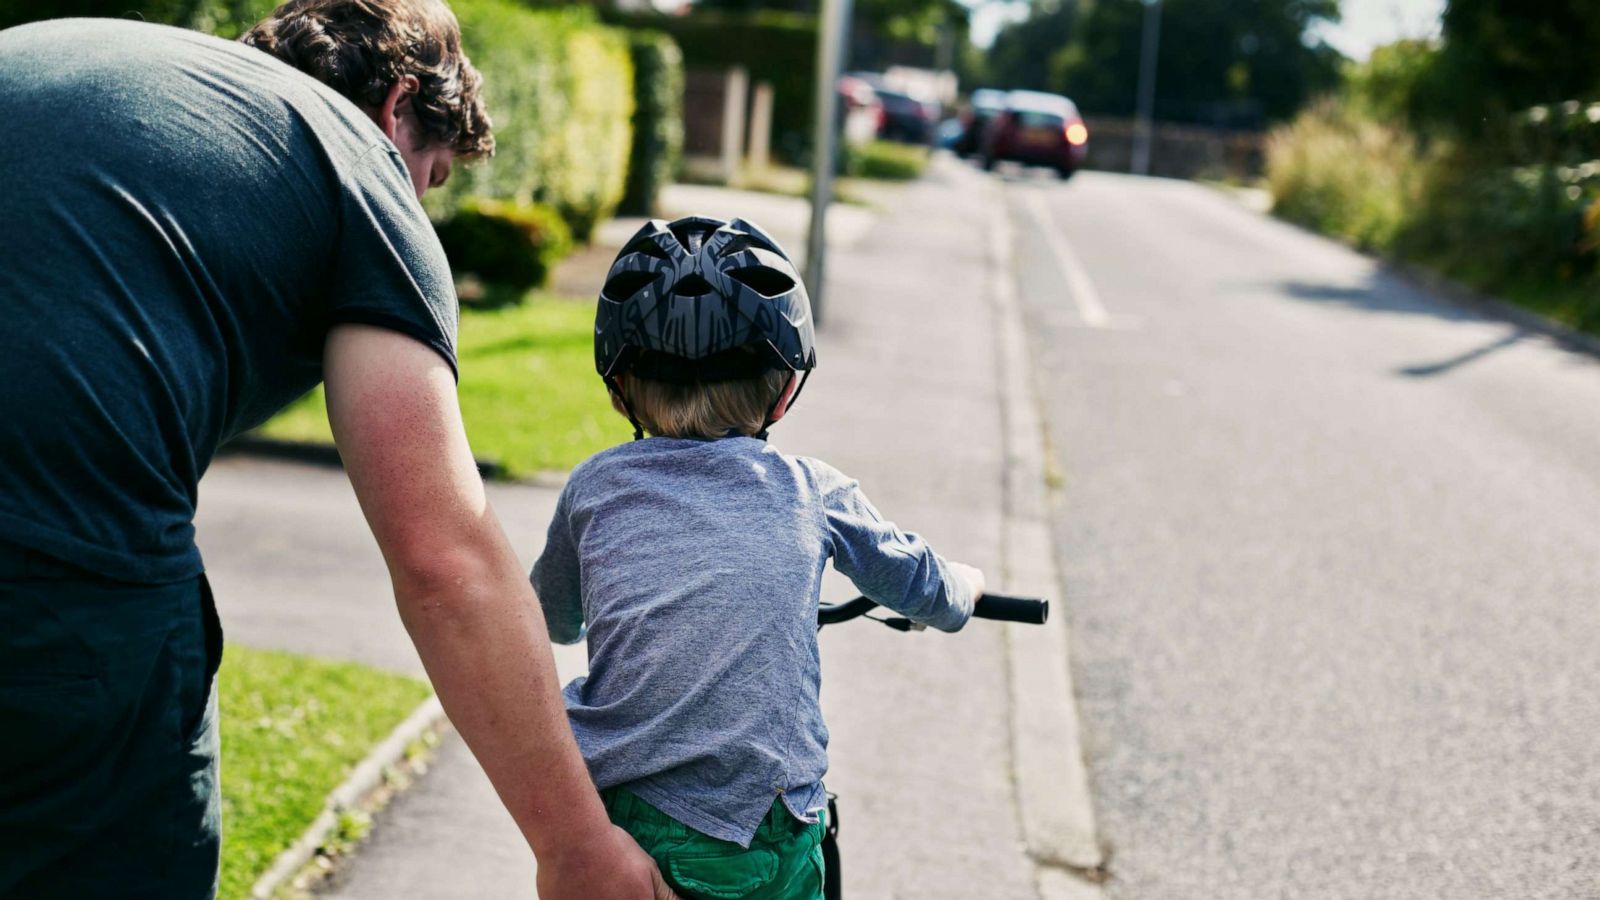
x=362, y=47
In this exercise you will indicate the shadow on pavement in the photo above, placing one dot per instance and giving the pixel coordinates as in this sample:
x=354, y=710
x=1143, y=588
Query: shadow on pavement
x=1381, y=293
x=1388, y=292
x=1439, y=368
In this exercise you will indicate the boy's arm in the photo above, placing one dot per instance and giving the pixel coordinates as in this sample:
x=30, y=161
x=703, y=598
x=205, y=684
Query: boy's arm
x=555, y=579
x=897, y=569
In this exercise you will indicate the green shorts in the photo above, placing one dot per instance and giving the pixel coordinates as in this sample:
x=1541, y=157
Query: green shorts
x=108, y=770
x=784, y=861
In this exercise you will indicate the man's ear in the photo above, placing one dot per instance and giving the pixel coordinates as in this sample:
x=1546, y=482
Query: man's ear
x=787, y=397
x=387, y=115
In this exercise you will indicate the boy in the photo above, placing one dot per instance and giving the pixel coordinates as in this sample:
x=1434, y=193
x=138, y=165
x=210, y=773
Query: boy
x=695, y=558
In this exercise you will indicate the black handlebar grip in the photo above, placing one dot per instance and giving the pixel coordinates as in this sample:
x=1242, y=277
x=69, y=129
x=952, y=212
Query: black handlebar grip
x=1029, y=610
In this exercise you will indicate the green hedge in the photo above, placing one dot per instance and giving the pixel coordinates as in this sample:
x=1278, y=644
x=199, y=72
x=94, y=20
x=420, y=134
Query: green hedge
x=777, y=47
x=228, y=18
x=657, y=120
x=560, y=90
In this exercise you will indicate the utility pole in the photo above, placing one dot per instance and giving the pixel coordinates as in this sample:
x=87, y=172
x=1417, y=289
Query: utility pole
x=1143, y=125
x=831, y=34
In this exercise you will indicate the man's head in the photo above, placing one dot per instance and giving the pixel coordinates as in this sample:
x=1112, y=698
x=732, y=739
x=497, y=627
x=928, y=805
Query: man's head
x=709, y=410
x=401, y=62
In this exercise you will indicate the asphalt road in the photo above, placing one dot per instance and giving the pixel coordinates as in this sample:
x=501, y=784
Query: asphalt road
x=1331, y=547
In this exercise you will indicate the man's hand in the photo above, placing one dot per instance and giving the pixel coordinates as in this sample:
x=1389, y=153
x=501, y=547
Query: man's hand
x=612, y=867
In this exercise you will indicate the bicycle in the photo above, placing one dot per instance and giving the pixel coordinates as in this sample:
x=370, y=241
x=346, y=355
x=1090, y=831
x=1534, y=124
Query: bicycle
x=1001, y=607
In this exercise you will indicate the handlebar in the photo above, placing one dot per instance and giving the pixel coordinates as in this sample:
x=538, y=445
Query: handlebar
x=1003, y=607
x=1027, y=610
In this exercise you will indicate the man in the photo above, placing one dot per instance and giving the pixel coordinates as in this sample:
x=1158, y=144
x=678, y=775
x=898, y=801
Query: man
x=192, y=234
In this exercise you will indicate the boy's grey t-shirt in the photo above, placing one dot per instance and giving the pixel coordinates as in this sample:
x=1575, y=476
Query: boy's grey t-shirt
x=697, y=568
x=182, y=220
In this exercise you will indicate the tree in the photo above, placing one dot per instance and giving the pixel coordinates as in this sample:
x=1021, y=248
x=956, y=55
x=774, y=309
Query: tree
x=1500, y=56
x=1026, y=54
x=1228, y=62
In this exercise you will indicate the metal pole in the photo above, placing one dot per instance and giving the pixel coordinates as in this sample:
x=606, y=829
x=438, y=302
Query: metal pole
x=1147, y=87
x=831, y=29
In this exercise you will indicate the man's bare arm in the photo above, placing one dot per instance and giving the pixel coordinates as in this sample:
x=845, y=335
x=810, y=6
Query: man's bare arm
x=467, y=605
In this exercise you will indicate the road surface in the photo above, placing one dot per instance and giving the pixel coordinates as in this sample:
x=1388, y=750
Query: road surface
x=1332, y=555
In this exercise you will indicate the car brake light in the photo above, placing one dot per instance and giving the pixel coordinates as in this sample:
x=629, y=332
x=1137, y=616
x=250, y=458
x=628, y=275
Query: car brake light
x=1077, y=134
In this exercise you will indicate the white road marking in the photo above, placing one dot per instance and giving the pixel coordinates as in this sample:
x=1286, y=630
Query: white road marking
x=1090, y=309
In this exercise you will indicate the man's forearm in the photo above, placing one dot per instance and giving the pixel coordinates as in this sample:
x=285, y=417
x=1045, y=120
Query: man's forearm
x=482, y=639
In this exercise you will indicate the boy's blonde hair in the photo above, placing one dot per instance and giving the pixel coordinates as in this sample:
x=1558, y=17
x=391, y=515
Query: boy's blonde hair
x=702, y=410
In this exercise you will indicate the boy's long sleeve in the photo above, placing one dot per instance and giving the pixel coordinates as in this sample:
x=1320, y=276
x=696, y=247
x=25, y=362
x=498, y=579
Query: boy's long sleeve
x=895, y=569
x=555, y=579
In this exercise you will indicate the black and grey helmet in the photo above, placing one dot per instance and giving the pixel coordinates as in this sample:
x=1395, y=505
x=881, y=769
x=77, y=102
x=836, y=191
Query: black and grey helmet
x=702, y=300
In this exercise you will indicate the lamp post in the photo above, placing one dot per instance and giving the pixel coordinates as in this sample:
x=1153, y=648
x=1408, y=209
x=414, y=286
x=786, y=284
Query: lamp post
x=834, y=25
x=1148, y=49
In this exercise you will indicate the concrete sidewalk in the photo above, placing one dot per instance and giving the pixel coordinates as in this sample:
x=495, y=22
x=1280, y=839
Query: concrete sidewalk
x=907, y=399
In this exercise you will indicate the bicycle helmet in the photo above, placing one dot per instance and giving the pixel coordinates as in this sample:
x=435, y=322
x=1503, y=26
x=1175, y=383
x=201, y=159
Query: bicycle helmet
x=701, y=300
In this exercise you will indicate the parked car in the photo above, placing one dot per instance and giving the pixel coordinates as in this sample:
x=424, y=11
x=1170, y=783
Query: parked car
x=982, y=107
x=905, y=118
x=860, y=111
x=1037, y=129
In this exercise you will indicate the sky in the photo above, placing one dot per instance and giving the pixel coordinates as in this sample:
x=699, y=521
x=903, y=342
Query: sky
x=1366, y=24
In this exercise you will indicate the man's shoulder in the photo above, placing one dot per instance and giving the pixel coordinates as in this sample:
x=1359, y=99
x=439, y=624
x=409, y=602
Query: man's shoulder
x=165, y=61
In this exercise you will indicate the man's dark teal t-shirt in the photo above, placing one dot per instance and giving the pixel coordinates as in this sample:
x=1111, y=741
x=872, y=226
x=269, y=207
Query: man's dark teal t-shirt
x=182, y=220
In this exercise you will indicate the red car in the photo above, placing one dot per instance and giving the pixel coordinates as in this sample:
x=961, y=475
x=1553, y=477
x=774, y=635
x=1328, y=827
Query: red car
x=1037, y=129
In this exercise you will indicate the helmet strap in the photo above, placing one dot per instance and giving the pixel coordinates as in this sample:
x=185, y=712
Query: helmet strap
x=762, y=434
x=615, y=387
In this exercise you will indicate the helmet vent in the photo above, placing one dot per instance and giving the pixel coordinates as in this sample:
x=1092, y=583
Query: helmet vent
x=648, y=247
x=764, y=280
x=691, y=233
x=623, y=285
x=691, y=285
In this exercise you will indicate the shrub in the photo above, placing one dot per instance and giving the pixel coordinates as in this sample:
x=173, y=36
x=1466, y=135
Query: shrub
x=560, y=89
x=1556, y=133
x=885, y=160
x=1519, y=217
x=1345, y=174
x=509, y=245
x=1527, y=230
x=657, y=120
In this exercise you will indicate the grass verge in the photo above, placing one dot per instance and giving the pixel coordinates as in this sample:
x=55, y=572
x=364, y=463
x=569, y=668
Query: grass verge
x=887, y=161
x=529, y=394
x=292, y=729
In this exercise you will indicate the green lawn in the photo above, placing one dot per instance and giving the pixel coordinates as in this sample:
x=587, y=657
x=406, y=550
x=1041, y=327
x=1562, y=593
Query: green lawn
x=529, y=393
x=292, y=729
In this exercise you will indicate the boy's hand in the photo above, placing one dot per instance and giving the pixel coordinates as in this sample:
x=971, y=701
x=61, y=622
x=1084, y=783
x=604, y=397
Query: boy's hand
x=610, y=868
x=974, y=577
